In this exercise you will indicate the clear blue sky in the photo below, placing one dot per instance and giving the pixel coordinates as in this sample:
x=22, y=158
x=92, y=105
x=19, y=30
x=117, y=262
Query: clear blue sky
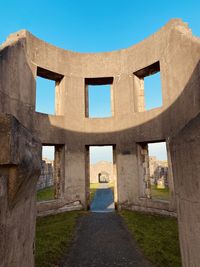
x=94, y=25
x=101, y=153
x=99, y=101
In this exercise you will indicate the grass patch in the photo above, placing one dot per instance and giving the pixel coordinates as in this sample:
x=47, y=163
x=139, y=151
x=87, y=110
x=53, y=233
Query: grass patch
x=53, y=235
x=45, y=194
x=157, y=236
x=158, y=193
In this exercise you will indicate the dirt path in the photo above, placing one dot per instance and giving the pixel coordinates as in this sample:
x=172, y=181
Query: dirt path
x=103, y=200
x=103, y=240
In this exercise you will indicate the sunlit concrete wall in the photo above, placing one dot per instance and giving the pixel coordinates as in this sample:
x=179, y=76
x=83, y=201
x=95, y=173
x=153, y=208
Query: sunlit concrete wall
x=173, y=50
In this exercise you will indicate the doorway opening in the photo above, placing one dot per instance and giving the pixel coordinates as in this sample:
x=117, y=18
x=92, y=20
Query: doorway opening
x=155, y=170
x=158, y=170
x=50, y=184
x=102, y=178
x=45, y=184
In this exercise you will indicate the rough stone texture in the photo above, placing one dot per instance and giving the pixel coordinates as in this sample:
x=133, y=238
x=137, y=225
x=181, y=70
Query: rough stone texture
x=19, y=171
x=46, y=178
x=51, y=207
x=175, y=52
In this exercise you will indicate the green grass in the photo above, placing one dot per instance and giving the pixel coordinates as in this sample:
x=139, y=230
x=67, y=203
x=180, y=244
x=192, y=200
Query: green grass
x=45, y=194
x=53, y=235
x=158, y=193
x=157, y=236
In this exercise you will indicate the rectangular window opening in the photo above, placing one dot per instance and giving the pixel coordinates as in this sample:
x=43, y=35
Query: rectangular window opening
x=102, y=178
x=148, y=88
x=50, y=184
x=98, y=97
x=45, y=184
x=46, y=83
x=155, y=171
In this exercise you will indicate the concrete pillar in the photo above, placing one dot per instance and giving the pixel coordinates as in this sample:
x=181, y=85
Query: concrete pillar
x=20, y=159
x=75, y=175
x=185, y=154
x=127, y=173
x=143, y=170
x=139, y=100
x=59, y=170
x=170, y=179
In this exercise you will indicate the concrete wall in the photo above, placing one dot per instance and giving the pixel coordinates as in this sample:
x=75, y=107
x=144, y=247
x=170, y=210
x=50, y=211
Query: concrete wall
x=186, y=165
x=19, y=171
x=172, y=50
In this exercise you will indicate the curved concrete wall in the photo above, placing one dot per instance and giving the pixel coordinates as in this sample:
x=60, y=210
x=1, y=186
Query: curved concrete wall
x=22, y=56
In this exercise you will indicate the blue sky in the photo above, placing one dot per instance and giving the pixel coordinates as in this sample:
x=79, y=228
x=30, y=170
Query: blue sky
x=94, y=25
x=101, y=153
x=99, y=101
x=158, y=149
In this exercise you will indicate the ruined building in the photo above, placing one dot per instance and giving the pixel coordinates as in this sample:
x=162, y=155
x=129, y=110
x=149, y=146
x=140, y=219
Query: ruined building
x=46, y=178
x=158, y=171
x=175, y=53
x=100, y=171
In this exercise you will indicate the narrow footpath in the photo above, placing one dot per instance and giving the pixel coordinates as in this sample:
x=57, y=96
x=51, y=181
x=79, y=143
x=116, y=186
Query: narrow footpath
x=102, y=238
x=103, y=200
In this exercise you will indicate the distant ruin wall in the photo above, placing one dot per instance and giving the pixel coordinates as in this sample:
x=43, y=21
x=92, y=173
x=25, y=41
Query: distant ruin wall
x=158, y=170
x=99, y=168
x=46, y=178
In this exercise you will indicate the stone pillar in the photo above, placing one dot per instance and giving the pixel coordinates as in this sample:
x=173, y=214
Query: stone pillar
x=139, y=101
x=127, y=174
x=59, y=170
x=75, y=174
x=170, y=179
x=185, y=154
x=144, y=173
x=20, y=159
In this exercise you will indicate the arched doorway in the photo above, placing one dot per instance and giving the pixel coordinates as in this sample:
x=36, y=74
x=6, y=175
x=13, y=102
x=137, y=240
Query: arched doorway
x=103, y=177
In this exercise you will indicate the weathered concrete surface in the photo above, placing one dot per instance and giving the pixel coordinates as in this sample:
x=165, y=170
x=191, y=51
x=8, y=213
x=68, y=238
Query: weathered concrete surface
x=19, y=170
x=173, y=50
x=103, y=241
x=186, y=165
x=129, y=125
x=56, y=206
